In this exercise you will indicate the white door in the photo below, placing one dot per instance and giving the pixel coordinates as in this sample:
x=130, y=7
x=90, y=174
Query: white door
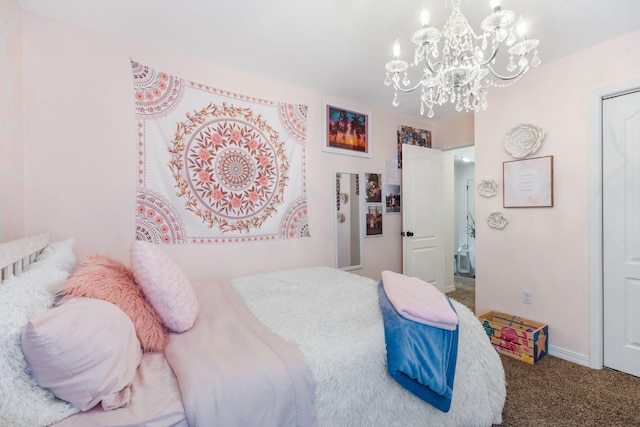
x=422, y=214
x=621, y=232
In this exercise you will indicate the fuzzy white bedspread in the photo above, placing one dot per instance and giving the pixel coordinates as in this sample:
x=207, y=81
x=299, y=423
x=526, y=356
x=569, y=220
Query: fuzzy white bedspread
x=334, y=318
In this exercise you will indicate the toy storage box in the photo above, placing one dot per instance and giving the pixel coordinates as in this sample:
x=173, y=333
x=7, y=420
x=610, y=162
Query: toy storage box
x=516, y=337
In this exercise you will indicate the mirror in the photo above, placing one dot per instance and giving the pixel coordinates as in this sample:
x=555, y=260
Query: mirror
x=348, y=220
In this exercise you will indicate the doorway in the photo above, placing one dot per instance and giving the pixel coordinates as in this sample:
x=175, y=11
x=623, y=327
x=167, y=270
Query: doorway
x=458, y=221
x=464, y=213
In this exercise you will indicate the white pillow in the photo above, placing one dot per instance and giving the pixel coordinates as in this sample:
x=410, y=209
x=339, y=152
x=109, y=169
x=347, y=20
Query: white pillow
x=165, y=286
x=58, y=255
x=22, y=401
x=85, y=351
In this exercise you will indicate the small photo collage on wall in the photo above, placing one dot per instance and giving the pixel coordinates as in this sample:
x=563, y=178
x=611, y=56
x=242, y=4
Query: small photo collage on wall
x=373, y=204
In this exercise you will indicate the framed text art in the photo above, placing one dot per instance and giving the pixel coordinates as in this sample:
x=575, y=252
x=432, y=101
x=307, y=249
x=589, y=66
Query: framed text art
x=345, y=130
x=528, y=183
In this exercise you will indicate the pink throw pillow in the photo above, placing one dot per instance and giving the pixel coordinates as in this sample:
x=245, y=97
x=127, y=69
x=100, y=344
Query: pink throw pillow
x=102, y=277
x=164, y=285
x=85, y=351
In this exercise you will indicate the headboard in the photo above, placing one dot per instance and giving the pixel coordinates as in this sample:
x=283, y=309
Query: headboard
x=16, y=255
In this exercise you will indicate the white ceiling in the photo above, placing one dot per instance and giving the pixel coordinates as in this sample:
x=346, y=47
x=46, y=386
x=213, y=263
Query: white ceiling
x=336, y=47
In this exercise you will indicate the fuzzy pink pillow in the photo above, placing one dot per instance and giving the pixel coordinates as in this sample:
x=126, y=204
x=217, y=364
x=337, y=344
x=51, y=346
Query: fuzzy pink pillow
x=164, y=285
x=102, y=277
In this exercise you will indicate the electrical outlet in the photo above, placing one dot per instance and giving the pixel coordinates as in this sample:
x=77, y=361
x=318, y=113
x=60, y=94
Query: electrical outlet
x=527, y=296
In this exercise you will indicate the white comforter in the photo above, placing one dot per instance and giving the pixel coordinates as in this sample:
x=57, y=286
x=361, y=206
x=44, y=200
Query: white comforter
x=334, y=318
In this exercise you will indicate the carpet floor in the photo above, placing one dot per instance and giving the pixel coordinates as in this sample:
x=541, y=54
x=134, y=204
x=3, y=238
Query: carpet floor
x=558, y=393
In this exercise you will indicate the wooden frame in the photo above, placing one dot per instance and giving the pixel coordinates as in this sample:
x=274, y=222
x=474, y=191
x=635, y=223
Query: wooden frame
x=528, y=183
x=345, y=130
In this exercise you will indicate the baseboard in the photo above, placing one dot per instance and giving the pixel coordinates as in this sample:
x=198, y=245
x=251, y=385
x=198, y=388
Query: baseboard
x=570, y=356
x=450, y=288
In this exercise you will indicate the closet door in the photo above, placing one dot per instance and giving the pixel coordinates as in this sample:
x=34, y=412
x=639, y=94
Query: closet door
x=621, y=232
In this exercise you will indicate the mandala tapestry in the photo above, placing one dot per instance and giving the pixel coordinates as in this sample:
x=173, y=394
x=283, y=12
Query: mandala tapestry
x=215, y=166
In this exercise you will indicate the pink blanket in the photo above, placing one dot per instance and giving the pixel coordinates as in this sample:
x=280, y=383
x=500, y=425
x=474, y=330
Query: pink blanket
x=233, y=371
x=155, y=401
x=419, y=301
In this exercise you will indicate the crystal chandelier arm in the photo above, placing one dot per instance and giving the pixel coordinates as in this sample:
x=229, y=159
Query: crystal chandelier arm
x=507, y=78
x=492, y=57
x=396, y=86
x=430, y=67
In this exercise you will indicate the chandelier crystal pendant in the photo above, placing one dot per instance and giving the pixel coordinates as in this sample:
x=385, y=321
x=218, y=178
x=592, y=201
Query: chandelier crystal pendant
x=461, y=68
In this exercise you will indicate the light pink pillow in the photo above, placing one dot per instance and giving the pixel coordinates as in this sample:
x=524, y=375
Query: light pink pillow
x=164, y=285
x=85, y=351
x=102, y=277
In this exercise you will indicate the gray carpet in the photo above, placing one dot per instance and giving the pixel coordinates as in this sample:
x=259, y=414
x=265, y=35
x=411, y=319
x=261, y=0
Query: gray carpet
x=465, y=291
x=558, y=393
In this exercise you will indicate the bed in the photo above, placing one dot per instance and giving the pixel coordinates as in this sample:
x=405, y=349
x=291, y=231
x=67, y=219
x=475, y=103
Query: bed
x=299, y=347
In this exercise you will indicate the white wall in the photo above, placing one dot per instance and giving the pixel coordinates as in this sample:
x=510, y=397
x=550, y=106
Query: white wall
x=546, y=250
x=80, y=154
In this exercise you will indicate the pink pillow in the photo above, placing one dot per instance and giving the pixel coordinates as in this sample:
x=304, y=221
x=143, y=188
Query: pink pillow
x=102, y=277
x=164, y=285
x=85, y=351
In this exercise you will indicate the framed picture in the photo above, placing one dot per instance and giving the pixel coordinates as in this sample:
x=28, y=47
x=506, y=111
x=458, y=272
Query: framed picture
x=528, y=183
x=374, y=220
x=412, y=136
x=391, y=195
x=373, y=187
x=345, y=130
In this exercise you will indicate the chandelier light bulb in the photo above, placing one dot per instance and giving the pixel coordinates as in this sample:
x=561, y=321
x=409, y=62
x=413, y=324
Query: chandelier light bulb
x=396, y=49
x=425, y=17
x=521, y=28
x=495, y=4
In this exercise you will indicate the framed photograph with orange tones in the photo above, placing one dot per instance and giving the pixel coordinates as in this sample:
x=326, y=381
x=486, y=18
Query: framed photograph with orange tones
x=345, y=130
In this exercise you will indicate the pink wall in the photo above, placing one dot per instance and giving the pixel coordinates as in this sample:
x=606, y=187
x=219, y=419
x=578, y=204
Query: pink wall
x=454, y=133
x=79, y=169
x=546, y=250
x=80, y=154
x=11, y=122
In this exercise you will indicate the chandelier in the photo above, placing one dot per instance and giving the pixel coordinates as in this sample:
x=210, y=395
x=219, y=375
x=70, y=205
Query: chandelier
x=460, y=69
